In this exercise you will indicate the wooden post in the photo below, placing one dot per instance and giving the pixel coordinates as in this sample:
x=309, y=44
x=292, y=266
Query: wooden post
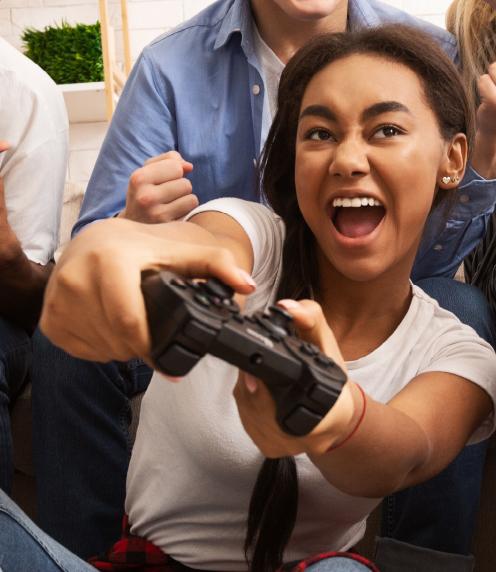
x=107, y=59
x=125, y=33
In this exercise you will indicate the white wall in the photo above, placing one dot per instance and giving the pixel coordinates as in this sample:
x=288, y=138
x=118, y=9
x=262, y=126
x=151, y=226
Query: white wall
x=147, y=19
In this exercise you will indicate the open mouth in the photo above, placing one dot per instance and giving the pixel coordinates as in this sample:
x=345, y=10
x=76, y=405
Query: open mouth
x=356, y=217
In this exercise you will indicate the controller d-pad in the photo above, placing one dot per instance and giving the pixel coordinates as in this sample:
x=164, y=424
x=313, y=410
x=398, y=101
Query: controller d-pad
x=301, y=421
x=309, y=349
x=203, y=300
x=275, y=331
x=216, y=288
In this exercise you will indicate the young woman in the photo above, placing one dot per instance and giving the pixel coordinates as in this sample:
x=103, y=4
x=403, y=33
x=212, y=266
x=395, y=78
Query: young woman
x=372, y=129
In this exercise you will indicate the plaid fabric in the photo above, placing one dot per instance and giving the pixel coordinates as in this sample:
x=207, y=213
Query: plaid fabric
x=132, y=553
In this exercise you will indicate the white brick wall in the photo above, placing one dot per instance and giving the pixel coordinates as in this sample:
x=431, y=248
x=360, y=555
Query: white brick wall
x=147, y=19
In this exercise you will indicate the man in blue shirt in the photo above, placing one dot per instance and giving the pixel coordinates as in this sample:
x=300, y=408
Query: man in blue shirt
x=199, y=103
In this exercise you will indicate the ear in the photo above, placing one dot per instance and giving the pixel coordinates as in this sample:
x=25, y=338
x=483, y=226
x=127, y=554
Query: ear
x=454, y=162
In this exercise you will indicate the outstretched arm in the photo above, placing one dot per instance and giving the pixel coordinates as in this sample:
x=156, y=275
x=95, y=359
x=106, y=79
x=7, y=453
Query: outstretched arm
x=363, y=447
x=94, y=307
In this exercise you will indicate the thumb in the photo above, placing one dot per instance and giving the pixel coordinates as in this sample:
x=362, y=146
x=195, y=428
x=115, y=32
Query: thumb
x=4, y=145
x=312, y=327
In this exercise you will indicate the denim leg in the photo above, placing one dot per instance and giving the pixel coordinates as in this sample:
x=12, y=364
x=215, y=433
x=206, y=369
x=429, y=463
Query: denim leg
x=81, y=415
x=15, y=358
x=441, y=513
x=24, y=547
x=338, y=565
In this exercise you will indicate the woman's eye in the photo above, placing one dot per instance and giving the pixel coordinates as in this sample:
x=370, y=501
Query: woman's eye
x=319, y=135
x=387, y=131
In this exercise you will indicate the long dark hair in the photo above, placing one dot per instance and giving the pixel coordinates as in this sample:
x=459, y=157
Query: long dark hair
x=273, y=505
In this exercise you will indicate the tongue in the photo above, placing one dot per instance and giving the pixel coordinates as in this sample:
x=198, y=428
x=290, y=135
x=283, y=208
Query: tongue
x=354, y=222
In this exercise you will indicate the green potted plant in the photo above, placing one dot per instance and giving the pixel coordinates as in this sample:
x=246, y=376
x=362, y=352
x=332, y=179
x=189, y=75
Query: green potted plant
x=69, y=54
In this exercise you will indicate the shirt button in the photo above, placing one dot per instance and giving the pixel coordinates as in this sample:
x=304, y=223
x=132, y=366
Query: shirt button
x=464, y=198
x=438, y=247
x=255, y=89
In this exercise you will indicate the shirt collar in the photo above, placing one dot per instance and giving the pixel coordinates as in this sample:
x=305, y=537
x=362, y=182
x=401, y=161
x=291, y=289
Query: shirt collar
x=237, y=20
x=361, y=15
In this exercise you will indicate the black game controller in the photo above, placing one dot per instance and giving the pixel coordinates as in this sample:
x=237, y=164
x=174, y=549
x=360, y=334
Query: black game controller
x=188, y=319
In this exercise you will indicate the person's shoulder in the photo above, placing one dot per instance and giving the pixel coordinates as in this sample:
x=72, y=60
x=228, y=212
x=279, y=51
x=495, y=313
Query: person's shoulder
x=192, y=37
x=24, y=82
x=388, y=14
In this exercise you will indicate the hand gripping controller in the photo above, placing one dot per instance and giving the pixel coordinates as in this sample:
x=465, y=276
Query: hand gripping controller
x=189, y=319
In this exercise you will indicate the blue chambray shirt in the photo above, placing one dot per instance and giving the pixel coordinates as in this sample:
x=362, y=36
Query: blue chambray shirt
x=199, y=90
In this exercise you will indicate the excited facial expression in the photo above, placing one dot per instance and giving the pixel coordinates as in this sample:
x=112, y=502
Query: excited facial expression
x=369, y=155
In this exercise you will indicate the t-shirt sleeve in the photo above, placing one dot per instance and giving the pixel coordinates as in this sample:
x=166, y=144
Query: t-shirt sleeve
x=460, y=351
x=264, y=229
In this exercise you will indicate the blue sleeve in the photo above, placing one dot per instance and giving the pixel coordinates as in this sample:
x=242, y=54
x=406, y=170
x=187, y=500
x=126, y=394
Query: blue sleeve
x=450, y=236
x=142, y=127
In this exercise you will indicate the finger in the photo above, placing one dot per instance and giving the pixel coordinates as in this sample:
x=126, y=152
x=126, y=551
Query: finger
x=4, y=145
x=491, y=72
x=174, y=155
x=203, y=262
x=149, y=195
x=487, y=88
x=175, y=210
x=312, y=326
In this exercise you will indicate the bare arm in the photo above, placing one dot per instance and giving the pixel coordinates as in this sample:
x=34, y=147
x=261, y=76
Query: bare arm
x=396, y=445
x=22, y=282
x=93, y=306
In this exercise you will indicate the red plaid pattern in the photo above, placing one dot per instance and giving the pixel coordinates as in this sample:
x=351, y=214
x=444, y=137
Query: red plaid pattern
x=132, y=553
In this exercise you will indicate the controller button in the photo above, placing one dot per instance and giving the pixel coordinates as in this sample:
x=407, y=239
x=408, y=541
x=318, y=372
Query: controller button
x=217, y=288
x=323, y=395
x=193, y=284
x=203, y=300
x=280, y=315
x=309, y=349
x=323, y=360
x=275, y=331
x=301, y=421
x=239, y=318
x=178, y=282
x=230, y=305
x=198, y=332
x=177, y=360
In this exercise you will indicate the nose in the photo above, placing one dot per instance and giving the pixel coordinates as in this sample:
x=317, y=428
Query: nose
x=349, y=158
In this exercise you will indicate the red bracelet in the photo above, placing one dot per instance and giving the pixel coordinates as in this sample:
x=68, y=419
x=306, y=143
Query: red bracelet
x=359, y=422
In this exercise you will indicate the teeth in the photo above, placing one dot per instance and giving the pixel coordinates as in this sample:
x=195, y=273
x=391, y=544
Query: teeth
x=356, y=202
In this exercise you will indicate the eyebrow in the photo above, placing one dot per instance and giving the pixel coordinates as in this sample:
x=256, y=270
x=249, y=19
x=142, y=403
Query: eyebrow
x=369, y=113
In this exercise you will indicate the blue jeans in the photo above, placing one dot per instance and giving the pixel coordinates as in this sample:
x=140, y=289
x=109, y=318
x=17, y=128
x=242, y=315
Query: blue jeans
x=81, y=440
x=15, y=358
x=81, y=417
x=441, y=513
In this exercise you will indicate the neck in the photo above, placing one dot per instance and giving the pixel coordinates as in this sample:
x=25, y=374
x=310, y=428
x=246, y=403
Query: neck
x=285, y=34
x=363, y=315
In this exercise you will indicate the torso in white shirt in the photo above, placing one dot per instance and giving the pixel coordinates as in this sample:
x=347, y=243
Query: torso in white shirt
x=193, y=467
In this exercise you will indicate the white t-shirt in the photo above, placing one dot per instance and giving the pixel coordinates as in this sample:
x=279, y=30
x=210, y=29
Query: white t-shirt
x=271, y=68
x=33, y=119
x=193, y=467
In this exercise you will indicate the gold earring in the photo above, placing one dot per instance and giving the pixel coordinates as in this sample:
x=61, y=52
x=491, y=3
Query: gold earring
x=455, y=179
